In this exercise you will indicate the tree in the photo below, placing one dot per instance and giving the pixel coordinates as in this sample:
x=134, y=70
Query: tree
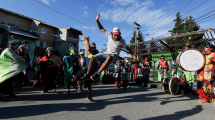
x=179, y=25
x=190, y=25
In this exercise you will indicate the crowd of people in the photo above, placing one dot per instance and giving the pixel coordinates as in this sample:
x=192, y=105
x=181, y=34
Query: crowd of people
x=75, y=70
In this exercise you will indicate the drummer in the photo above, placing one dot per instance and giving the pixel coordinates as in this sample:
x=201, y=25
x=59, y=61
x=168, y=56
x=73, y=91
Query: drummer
x=164, y=67
x=183, y=84
x=205, y=87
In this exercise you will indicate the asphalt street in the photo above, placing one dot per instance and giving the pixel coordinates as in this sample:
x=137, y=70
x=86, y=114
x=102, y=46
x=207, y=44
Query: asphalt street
x=109, y=103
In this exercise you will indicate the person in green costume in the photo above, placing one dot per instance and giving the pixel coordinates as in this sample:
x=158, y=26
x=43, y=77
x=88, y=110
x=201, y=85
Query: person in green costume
x=68, y=68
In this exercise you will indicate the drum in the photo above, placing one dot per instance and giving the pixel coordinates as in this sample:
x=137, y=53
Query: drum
x=170, y=86
x=194, y=86
x=190, y=60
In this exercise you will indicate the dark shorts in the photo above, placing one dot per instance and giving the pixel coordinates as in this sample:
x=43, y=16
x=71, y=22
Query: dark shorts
x=87, y=83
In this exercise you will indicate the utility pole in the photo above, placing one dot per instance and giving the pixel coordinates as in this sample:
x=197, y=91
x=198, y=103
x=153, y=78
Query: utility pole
x=136, y=36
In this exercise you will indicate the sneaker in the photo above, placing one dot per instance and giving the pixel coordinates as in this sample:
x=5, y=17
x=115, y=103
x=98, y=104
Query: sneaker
x=43, y=92
x=79, y=91
x=95, y=76
x=54, y=90
x=89, y=99
x=84, y=77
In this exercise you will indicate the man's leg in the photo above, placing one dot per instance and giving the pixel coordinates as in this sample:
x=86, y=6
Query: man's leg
x=105, y=64
x=80, y=82
x=103, y=67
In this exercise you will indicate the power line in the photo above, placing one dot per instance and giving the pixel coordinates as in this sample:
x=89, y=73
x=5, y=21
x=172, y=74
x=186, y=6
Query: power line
x=205, y=18
x=183, y=15
x=205, y=14
x=172, y=13
x=68, y=17
x=63, y=14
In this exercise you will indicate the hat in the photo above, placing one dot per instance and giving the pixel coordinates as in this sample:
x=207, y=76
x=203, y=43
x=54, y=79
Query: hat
x=81, y=52
x=134, y=55
x=72, y=50
x=14, y=42
x=92, y=44
x=146, y=57
x=174, y=66
x=162, y=56
x=49, y=48
x=116, y=31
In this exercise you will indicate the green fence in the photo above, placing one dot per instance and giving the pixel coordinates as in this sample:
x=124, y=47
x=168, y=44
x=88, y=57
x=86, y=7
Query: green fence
x=157, y=75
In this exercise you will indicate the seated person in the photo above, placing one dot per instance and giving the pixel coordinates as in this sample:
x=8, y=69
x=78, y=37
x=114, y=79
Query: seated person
x=183, y=84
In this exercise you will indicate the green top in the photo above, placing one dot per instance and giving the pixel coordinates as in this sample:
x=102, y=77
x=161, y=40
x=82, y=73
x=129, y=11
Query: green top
x=125, y=76
x=37, y=67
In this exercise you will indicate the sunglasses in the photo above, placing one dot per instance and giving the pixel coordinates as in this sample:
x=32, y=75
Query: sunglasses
x=207, y=46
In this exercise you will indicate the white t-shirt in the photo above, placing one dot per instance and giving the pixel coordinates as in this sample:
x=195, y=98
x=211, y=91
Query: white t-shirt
x=114, y=47
x=26, y=47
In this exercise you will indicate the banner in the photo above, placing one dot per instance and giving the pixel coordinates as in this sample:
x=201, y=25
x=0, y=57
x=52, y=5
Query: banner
x=11, y=64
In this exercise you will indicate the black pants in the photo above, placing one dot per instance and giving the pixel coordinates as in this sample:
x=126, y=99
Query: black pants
x=125, y=84
x=7, y=87
x=87, y=82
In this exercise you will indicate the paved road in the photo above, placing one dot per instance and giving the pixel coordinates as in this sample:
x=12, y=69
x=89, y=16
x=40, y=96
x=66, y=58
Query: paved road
x=109, y=103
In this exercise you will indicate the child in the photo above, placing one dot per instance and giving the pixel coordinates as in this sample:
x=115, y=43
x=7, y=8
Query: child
x=24, y=44
x=125, y=78
x=37, y=69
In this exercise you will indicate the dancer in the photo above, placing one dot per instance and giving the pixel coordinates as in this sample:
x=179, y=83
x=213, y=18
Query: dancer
x=22, y=53
x=183, y=84
x=125, y=78
x=82, y=60
x=134, y=65
x=49, y=69
x=164, y=67
x=68, y=68
x=205, y=87
x=146, y=67
x=91, y=47
x=11, y=65
x=114, y=46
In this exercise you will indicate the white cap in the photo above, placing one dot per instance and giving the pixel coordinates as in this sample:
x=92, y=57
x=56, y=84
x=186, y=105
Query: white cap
x=116, y=31
x=81, y=53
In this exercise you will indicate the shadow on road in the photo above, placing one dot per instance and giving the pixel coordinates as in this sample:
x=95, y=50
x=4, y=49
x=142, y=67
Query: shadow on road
x=178, y=115
x=42, y=109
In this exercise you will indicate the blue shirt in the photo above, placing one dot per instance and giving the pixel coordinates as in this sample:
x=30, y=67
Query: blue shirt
x=95, y=51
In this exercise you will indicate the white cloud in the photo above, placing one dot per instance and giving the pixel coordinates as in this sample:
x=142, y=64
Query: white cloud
x=138, y=11
x=171, y=2
x=47, y=2
x=84, y=8
x=85, y=14
x=89, y=28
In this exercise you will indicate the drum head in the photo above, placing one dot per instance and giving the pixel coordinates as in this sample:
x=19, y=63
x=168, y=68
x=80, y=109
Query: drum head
x=174, y=86
x=191, y=60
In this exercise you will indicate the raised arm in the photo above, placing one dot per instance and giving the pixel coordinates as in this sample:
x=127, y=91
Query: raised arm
x=99, y=24
x=88, y=44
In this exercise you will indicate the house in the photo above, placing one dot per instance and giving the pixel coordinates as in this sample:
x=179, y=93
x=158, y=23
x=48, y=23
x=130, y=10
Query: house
x=38, y=41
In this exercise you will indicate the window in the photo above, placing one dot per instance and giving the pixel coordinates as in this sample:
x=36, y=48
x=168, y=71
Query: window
x=41, y=44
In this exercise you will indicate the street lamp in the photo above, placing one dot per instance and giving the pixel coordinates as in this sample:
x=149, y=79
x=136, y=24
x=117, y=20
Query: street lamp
x=138, y=26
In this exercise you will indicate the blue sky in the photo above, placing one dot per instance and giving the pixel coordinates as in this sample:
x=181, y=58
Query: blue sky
x=114, y=13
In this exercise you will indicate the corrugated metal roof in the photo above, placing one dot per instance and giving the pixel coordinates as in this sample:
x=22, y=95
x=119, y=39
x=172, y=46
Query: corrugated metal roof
x=18, y=32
